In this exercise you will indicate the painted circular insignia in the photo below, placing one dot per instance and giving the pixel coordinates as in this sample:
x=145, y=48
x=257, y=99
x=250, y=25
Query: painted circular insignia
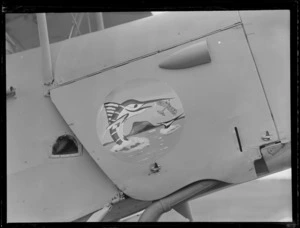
x=140, y=120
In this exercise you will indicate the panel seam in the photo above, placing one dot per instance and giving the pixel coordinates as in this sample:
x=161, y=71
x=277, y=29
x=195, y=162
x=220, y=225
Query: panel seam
x=145, y=56
x=259, y=76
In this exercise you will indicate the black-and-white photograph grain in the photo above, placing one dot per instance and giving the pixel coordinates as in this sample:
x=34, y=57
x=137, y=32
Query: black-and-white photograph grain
x=178, y=116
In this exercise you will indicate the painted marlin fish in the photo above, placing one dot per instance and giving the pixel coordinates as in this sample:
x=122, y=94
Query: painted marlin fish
x=117, y=114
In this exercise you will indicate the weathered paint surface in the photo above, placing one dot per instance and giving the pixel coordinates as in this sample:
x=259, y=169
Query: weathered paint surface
x=40, y=188
x=97, y=51
x=268, y=34
x=36, y=185
x=217, y=97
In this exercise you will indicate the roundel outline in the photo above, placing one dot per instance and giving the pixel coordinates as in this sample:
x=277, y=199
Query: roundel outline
x=140, y=120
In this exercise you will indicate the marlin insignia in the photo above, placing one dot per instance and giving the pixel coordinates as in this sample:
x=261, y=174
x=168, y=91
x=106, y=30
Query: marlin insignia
x=117, y=114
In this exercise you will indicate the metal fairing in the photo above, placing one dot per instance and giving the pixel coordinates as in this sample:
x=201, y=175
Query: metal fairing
x=218, y=99
x=98, y=51
x=191, y=56
x=41, y=188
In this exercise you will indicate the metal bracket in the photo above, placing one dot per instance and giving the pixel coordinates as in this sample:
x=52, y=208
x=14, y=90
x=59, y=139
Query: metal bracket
x=154, y=168
x=118, y=197
x=272, y=149
x=277, y=156
x=100, y=214
x=48, y=87
x=11, y=92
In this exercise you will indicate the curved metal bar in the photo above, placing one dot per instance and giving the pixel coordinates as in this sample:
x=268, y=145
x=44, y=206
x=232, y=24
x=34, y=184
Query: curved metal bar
x=156, y=209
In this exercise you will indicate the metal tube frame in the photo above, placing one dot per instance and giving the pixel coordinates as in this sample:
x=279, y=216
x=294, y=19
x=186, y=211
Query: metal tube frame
x=48, y=76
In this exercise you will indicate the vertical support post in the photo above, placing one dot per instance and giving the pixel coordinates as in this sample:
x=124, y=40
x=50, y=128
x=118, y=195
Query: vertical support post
x=48, y=76
x=99, y=21
x=89, y=22
x=78, y=24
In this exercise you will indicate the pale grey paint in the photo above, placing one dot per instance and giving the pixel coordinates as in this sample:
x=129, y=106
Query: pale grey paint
x=216, y=97
x=268, y=34
x=94, y=52
x=40, y=188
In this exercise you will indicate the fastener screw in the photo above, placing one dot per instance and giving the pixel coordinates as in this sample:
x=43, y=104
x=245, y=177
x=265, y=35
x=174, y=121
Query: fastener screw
x=155, y=168
x=266, y=137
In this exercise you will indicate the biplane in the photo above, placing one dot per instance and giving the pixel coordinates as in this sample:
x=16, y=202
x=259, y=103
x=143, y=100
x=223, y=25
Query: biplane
x=146, y=115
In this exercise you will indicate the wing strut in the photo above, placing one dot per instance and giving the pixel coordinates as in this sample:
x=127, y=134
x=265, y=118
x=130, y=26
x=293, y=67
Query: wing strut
x=185, y=210
x=156, y=209
x=48, y=76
